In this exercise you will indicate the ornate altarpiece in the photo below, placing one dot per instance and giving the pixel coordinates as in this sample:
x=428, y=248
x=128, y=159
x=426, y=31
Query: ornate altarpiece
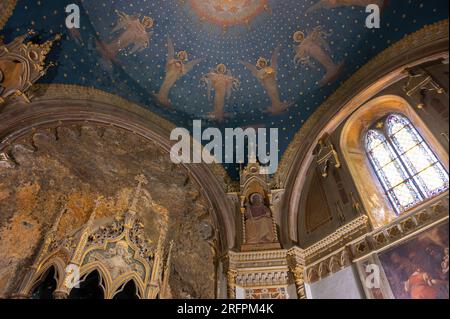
x=118, y=250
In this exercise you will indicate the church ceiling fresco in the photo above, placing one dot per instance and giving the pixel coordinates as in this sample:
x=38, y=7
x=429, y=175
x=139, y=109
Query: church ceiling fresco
x=232, y=63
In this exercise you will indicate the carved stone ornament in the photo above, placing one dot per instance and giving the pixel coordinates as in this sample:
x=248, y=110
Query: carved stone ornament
x=21, y=65
x=118, y=250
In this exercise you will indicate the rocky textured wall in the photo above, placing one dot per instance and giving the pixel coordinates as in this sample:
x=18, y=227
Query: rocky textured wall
x=75, y=164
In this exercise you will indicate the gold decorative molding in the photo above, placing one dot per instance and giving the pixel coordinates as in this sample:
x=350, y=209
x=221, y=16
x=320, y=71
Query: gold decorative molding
x=263, y=278
x=337, y=240
x=426, y=35
x=404, y=227
x=347, y=245
x=7, y=8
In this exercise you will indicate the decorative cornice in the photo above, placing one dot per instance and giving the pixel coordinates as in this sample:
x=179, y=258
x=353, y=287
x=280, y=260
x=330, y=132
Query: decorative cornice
x=256, y=255
x=338, y=239
x=321, y=262
x=433, y=212
x=257, y=259
x=263, y=278
x=8, y=8
x=427, y=35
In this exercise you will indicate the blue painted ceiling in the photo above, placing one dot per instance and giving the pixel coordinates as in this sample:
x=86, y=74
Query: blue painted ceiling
x=226, y=32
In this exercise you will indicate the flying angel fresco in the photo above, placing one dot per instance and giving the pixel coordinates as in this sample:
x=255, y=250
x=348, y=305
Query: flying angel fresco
x=222, y=82
x=176, y=67
x=330, y=4
x=133, y=35
x=267, y=74
x=315, y=46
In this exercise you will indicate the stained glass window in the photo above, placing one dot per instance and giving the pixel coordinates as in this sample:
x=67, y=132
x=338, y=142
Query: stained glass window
x=407, y=168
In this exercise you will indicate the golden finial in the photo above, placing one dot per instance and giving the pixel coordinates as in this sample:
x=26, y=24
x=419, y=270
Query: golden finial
x=97, y=204
x=38, y=52
x=141, y=179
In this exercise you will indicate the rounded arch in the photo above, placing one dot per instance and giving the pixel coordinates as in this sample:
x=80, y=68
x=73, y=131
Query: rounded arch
x=352, y=145
x=57, y=104
x=426, y=45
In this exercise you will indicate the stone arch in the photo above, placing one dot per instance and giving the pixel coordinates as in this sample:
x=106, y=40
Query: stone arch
x=55, y=104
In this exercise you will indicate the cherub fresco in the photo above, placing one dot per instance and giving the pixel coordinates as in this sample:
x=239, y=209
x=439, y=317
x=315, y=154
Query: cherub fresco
x=176, y=67
x=330, y=4
x=133, y=35
x=222, y=82
x=267, y=74
x=315, y=46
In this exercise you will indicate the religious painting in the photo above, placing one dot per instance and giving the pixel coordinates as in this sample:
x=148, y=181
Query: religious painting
x=418, y=269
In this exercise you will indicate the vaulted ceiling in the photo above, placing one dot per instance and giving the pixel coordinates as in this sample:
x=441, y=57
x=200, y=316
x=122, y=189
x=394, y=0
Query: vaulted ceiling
x=227, y=32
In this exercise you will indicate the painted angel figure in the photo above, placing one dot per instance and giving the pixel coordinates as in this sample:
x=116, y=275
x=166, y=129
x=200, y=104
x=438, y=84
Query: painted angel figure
x=222, y=83
x=133, y=34
x=330, y=4
x=267, y=74
x=176, y=67
x=315, y=46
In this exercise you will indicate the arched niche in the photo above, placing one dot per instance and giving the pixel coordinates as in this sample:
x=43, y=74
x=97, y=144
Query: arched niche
x=369, y=188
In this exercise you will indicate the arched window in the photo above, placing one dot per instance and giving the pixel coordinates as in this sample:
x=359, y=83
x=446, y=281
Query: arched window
x=408, y=170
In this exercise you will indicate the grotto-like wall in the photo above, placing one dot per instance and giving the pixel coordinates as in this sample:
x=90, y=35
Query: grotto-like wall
x=72, y=165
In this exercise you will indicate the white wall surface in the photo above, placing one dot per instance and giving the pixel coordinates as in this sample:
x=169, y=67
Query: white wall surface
x=341, y=285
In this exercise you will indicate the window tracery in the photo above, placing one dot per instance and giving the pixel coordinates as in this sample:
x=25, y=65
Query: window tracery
x=406, y=167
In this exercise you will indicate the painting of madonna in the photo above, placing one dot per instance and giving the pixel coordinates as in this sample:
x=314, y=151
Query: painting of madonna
x=418, y=269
